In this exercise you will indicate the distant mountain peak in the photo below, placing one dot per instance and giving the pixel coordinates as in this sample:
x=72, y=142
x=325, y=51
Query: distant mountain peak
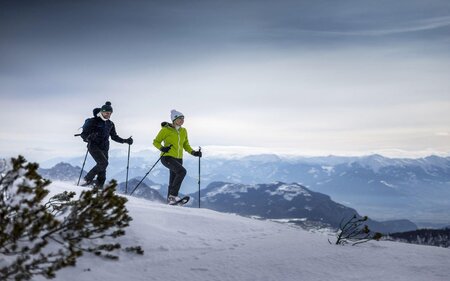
x=288, y=201
x=230, y=188
x=62, y=172
x=290, y=191
x=147, y=189
x=262, y=158
x=64, y=165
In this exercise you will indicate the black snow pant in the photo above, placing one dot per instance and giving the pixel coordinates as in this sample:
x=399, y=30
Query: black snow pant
x=177, y=173
x=101, y=158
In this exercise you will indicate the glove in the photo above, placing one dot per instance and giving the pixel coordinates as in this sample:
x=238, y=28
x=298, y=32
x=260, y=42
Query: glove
x=129, y=141
x=196, y=153
x=165, y=149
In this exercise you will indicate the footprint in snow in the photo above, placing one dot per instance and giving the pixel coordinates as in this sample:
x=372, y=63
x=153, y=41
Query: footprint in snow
x=199, y=269
x=162, y=249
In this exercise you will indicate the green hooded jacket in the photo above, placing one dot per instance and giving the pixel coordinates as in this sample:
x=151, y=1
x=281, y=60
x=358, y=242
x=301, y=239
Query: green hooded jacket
x=170, y=136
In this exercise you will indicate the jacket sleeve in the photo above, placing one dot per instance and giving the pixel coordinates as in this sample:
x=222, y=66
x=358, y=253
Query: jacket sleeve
x=114, y=135
x=186, y=145
x=159, y=139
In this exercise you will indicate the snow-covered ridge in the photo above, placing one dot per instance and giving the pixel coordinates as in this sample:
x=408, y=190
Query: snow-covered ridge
x=231, y=189
x=289, y=191
x=204, y=245
x=280, y=200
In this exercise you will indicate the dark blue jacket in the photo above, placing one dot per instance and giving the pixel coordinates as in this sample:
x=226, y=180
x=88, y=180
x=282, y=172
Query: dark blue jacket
x=97, y=132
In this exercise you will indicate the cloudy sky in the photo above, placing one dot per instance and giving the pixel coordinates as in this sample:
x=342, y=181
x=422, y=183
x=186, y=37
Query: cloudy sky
x=315, y=77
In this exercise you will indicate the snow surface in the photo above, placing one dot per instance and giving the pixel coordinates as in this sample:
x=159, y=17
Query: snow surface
x=203, y=245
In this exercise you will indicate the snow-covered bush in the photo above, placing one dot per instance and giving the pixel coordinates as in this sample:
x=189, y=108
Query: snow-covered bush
x=38, y=238
x=354, y=231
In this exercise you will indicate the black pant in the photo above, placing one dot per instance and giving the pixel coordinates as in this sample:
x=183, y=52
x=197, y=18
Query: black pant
x=177, y=173
x=101, y=158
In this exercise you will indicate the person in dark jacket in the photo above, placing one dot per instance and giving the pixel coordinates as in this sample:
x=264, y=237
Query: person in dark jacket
x=96, y=132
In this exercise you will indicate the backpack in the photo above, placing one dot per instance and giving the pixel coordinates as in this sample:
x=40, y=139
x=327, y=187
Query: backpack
x=95, y=111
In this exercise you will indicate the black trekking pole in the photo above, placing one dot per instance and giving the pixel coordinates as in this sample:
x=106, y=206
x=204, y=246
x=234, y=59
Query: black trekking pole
x=128, y=165
x=199, y=150
x=148, y=172
x=83, y=166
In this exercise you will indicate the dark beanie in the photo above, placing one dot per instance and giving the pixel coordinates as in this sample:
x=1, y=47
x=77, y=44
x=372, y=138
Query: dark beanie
x=107, y=107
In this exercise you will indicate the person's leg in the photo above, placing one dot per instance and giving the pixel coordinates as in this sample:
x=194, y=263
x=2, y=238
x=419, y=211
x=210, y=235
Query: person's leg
x=171, y=180
x=178, y=172
x=101, y=176
x=101, y=164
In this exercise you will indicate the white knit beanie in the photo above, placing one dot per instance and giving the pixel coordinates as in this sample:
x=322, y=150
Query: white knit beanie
x=175, y=114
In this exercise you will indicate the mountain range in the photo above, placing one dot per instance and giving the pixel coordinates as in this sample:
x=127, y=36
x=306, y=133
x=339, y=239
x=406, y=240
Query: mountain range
x=62, y=172
x=280, y=201
x=433, y=237
x=381, y=187
x=287, y=203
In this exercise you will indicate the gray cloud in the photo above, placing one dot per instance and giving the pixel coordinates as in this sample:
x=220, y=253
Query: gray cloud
x=236, y=68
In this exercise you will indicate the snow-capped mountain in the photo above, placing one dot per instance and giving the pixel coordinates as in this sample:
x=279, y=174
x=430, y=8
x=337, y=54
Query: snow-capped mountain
x=147, y=189
x=416, y=189
x=62, y=172
x=290, y=202
x=275, y=201
x=203, y=245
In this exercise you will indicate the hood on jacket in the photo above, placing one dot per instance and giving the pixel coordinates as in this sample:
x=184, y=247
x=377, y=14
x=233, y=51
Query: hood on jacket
x=166, y=124
x=96, y=111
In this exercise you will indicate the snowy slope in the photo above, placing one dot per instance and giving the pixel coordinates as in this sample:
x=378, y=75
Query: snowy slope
x=204, y=245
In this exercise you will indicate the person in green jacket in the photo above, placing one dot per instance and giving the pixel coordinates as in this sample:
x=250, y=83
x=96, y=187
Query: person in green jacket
x=175, y=140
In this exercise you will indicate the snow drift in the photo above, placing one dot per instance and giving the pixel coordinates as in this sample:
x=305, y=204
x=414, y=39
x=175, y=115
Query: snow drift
x=204, y=245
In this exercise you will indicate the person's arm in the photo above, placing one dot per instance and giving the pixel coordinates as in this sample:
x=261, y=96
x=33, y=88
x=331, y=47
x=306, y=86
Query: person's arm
x=186, y=145
x=114, y=135
x=157, y=142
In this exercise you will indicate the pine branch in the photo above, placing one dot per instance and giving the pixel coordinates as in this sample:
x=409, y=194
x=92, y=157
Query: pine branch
x=28, y=225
